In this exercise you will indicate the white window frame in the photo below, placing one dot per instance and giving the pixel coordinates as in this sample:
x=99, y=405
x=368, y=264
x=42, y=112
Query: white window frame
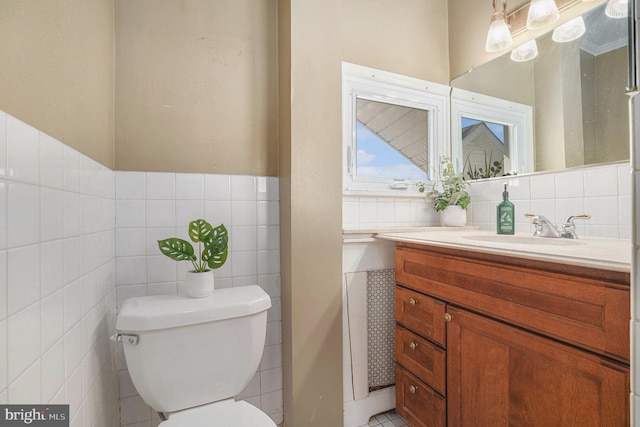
x=382, y=86
x=518, y=118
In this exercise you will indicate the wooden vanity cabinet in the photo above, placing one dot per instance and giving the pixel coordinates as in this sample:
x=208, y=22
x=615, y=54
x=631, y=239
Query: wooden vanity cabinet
x=486, y=341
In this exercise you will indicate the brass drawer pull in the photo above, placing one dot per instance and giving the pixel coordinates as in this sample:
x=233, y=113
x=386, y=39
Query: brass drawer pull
x=413, y=345
x=413, y=389
x=413, y=301
x=448, y=317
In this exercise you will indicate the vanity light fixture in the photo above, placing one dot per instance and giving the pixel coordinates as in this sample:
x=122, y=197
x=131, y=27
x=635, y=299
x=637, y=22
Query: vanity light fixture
x=542, y=13
x=525, y=52
x=569, y=31
x=617, y=9
x=499, y=35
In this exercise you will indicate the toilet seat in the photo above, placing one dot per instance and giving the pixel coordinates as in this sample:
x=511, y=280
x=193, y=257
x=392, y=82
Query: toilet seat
x=226, y=413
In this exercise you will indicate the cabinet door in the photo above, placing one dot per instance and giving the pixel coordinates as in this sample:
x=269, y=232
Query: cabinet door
x=498, y=375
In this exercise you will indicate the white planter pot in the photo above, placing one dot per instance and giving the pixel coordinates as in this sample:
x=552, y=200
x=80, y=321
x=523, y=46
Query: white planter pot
x=453, y=216
x=199, y=285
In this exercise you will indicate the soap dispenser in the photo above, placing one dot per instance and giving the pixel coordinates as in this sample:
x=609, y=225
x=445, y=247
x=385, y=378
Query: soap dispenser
x=506, y=214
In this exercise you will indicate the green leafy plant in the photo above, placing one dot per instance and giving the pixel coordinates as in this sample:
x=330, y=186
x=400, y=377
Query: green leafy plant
x=450, y=188
x=490, y=170
x=212, y=246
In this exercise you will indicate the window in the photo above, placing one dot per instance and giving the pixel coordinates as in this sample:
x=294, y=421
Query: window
x=394, y=127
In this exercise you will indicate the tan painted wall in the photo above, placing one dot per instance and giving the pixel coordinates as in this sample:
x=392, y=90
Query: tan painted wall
x=612, y=103
x=501, y=78
x=410, y=39
x=311, y=205
x=57, y=72
x=196, y=88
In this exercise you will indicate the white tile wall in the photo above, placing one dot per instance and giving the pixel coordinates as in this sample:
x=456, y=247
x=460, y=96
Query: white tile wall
x=57, y=281
x=153, y=206
x=366, y=212
x=604, y=192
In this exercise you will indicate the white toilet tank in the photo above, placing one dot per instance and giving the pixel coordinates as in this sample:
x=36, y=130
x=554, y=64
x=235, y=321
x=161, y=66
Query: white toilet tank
x=194, y=351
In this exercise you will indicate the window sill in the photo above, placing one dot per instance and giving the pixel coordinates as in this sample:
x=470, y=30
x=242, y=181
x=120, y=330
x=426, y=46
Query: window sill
x=392, y=194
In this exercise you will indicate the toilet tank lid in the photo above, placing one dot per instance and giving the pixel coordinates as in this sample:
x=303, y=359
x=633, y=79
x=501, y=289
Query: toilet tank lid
x=170, y=311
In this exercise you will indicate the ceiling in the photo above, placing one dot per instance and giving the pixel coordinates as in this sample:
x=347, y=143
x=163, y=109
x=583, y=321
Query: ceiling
x=603, y=34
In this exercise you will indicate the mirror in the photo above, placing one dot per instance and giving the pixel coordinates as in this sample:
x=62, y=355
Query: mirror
x=576, y=95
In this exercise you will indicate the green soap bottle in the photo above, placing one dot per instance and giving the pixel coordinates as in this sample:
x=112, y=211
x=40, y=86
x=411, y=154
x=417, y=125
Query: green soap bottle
x=506, y=214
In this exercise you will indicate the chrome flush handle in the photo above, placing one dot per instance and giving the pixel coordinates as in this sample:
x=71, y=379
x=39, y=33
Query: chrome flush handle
x=132, y=339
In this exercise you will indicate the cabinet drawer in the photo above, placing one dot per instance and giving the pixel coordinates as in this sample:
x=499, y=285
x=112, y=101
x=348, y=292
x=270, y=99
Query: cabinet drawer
x=417, y=402
x=422, y=358
x=421, y=314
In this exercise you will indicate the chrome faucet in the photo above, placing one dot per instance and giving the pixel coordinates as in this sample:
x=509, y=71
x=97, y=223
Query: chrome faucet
x=568, y=229
x=545, y=228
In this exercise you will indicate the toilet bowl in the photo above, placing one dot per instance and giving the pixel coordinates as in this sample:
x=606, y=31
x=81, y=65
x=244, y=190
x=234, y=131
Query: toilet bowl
x=189, y=357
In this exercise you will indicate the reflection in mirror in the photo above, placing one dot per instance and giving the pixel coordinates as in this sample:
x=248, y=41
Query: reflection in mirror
x=576, y=90
x=491, y=136
x=485, y=148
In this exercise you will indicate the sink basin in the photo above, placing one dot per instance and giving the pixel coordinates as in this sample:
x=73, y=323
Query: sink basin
x=525, y=240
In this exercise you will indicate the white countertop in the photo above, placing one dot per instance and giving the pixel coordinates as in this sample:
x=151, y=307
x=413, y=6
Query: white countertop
x=606, y=254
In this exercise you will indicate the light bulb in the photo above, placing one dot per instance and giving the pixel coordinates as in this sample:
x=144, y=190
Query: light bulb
x=541, y=14
x=499, y=36
x=617, y=9
x=569, y=31
x=525, y=52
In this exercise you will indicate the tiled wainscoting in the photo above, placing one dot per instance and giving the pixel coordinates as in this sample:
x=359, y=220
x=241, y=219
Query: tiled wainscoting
x=368, y=212
x=604, y=192
x=153, y=206
x=57, y=284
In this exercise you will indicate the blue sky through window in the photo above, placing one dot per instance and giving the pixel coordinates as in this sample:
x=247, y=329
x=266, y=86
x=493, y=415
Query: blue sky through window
x=377, y=159
x=495, y=128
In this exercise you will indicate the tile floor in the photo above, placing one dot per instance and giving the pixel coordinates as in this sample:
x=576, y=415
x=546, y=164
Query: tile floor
x=387, y=419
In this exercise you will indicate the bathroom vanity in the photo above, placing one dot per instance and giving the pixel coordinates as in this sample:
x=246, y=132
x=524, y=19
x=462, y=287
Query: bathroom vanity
x=511, y=333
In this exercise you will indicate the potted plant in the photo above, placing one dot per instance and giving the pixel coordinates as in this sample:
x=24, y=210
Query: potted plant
x=212, y=250
x=450, y=194
x=491, y=168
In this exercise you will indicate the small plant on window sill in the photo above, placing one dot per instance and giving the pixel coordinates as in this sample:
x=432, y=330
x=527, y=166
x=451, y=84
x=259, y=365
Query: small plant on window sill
x=450, y=188
x=490, y=170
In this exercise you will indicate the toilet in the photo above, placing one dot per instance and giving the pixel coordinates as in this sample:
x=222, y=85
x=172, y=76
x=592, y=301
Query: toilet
x=189, y=357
